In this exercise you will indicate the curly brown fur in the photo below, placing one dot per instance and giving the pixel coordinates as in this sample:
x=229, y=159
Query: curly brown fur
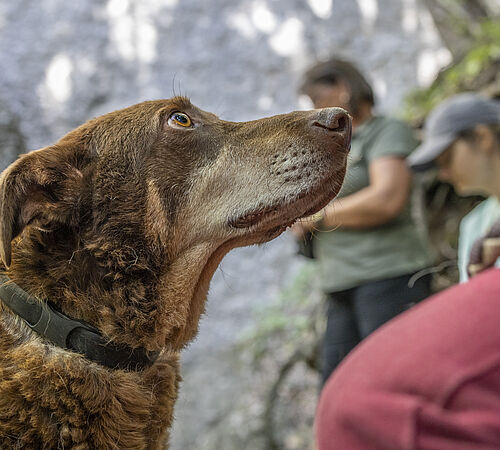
x=122, y=223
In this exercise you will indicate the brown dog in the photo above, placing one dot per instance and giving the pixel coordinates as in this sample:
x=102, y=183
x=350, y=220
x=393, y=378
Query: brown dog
x=121, y=224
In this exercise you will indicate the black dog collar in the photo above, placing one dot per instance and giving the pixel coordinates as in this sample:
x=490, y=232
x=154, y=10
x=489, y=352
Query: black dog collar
x=72, y=334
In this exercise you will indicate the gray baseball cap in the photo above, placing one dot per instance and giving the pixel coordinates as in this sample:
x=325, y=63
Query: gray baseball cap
x=445, y=122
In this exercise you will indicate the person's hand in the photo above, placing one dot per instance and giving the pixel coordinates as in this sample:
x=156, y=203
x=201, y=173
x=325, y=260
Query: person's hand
x=485, y=251
x=299, y=229
x=303, y=226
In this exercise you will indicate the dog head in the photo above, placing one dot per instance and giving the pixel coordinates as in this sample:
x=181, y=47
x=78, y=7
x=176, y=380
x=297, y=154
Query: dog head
x=169, y=173
x=138, y=189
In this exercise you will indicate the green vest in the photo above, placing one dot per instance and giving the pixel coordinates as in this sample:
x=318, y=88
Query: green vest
x=351, y=257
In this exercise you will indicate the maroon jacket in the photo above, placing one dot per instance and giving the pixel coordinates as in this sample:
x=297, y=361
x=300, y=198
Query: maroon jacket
x=429, y=379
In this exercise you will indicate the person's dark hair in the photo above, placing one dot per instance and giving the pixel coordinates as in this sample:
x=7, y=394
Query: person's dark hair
x=335, y=71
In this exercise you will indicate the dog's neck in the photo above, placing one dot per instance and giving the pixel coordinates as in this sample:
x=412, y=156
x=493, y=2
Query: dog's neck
x=131, y=299
x=71, y=334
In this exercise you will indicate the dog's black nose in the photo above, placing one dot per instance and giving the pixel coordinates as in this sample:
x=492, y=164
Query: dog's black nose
x=335, y=120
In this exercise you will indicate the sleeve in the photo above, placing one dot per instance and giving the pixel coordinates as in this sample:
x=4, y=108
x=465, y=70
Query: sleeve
x=394, y=139
x=464, y=246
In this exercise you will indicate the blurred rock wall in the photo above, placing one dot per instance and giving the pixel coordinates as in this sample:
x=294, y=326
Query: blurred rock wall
x=64, y=62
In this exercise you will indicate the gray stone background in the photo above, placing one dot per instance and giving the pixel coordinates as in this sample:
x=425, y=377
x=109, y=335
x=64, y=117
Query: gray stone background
x=63, y=62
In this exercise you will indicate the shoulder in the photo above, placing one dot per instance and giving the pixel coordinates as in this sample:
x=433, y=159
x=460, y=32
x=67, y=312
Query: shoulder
x=485, y=211
x=388, y=121
x=394, y=127
x=390, y=137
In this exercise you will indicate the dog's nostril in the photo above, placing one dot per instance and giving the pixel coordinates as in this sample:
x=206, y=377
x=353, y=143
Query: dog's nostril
x=333, y=124
x=341, y=122
x=332, y=119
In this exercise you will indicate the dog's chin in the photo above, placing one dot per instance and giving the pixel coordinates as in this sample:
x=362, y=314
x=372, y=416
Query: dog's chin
x=269, y=222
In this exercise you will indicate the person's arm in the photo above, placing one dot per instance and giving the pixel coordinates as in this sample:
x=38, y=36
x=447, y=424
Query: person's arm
x=378, y=203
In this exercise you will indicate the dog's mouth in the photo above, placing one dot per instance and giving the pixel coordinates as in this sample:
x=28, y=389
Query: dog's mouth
x=281, y=214
x=253, y=218
x=274, y=217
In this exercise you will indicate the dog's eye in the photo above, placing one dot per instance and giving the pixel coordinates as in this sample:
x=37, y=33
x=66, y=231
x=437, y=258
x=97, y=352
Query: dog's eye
x=180, y=119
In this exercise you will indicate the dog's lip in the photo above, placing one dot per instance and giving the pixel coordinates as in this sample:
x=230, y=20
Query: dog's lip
x=274, y=214
x=252, y=218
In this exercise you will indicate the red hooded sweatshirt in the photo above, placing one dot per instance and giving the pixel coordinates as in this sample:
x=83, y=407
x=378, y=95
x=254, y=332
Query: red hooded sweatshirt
x=429, y=379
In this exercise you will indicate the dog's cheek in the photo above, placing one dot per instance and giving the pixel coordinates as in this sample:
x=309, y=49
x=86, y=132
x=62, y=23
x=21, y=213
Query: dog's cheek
x=156, y=222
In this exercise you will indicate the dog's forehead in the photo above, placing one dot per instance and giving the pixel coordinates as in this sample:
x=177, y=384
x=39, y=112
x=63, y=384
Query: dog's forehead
x=181, y=103
x=127, y=130
x=184, y=104
x=149, y=111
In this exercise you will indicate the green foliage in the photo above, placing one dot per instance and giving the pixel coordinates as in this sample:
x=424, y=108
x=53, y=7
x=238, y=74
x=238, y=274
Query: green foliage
x=460, y=76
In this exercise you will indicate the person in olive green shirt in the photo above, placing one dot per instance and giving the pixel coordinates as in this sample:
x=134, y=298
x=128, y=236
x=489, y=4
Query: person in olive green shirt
x=366, y=242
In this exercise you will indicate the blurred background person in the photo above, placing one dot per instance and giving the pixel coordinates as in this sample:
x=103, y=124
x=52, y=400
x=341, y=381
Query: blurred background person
x=367, y=244
x=462, y=140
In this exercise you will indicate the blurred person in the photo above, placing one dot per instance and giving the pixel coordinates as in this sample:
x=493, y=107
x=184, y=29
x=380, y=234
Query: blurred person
x=462, y=139
x=366, y=242
x=430, y=378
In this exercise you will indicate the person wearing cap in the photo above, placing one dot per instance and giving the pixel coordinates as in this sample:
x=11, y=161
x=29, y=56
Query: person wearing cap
x=367, y=244
x=462, y=140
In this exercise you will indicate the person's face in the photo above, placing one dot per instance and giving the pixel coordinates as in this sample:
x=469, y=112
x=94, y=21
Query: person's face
x=466, y=165
x=456, y=165
x=325, y=95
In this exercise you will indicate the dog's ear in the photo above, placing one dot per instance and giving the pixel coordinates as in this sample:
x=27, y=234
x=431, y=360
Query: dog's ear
x=40, y=186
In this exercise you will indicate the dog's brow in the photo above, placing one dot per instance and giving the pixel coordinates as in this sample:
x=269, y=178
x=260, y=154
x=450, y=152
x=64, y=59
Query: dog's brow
x=182, y=103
